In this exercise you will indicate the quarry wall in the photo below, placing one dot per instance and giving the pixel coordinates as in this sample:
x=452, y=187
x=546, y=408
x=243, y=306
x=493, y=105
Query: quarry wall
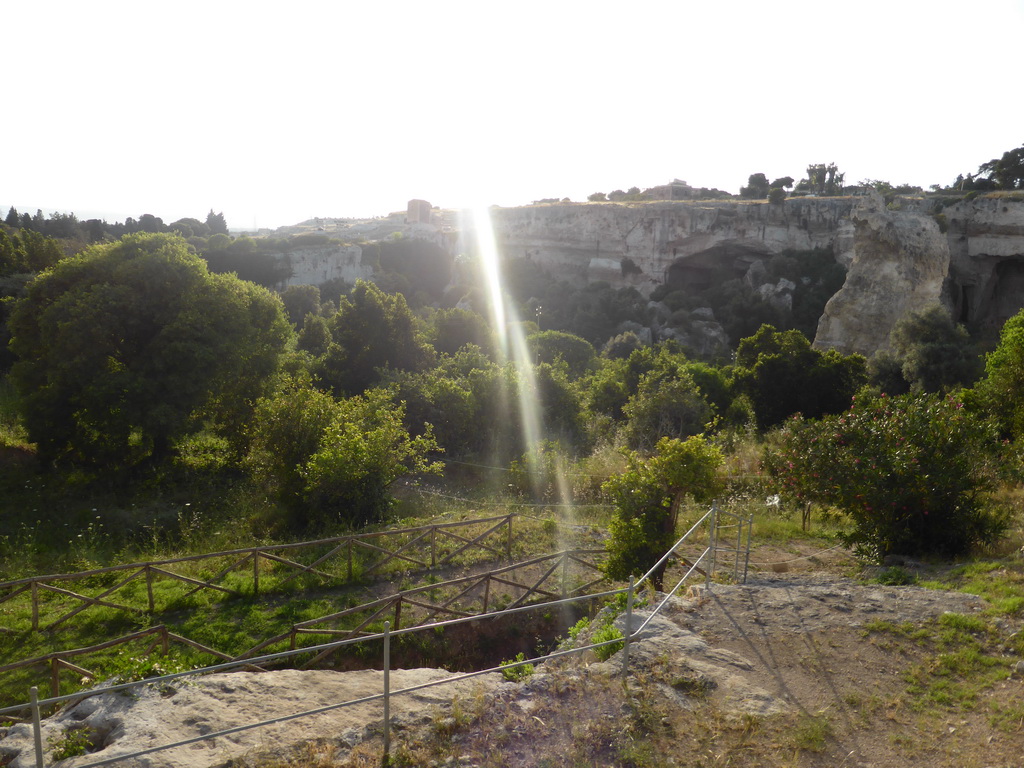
x=913, y=252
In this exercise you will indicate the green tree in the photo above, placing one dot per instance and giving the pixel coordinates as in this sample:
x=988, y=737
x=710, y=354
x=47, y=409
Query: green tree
x=315, y=336
x=823, y=180
x=12, y=220
x=1002, y=390
x=783, y=375
x=299, y=301
x=757, y=186
x=216, y=223
x=1007, y=171
x=664, y=406
x=451, y=329
x=915, y=473
x=12, y=255
x=551, y=346
x=621, y=346
x=126, y=348
x=41, y=252
x=647, y=498
x=785, y=182
x=333, y=461
x=932, y=353
x=372, y=330
x=192, y=226
x=150, y=223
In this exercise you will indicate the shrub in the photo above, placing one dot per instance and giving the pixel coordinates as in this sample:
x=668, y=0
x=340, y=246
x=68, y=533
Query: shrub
x=603, y=635
x=333, y=461
x=914, y=473
x=647, y=497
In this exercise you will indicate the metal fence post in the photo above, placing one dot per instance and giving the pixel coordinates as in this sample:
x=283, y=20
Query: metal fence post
x=37, y=726
x=629, y=626
x=739, y=543
x=387, y=692
x=712, y=546
x=750, y=535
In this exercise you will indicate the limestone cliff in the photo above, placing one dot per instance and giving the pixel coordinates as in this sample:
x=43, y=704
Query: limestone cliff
x=900, y=262
x=647, y=244
x=986, y=273
x=318, y=264
x=968, y=255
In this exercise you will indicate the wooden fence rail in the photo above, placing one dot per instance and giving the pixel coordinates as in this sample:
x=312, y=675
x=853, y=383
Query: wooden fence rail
x=473, y=595
x=58, y=660
x=432, y=546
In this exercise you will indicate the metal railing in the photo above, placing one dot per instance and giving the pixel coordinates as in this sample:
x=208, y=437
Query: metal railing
x=713, y=519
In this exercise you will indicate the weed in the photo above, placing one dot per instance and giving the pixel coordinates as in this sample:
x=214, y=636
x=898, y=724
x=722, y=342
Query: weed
x=578, y=627
x=70, y=743
x=695, y=684
x=811, y=733
x=963, y=623
x=637, y=754
x=895, y=577
x=515, y=670
x=1007, y=717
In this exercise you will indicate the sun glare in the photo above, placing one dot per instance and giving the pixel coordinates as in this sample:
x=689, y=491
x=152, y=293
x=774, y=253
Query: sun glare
x=512, y=346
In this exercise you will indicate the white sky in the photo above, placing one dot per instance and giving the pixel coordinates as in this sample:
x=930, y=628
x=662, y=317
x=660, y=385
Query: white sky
x=275, y=112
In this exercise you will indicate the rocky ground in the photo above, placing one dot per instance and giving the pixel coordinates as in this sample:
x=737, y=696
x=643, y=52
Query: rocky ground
x=800, y=666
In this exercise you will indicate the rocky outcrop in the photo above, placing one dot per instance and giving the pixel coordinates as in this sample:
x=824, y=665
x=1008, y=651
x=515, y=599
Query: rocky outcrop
x=156, y=715
x=899, y=264
x=986, y=273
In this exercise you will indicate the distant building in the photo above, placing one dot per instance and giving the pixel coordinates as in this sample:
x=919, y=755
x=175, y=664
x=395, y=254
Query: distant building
x=417, y=212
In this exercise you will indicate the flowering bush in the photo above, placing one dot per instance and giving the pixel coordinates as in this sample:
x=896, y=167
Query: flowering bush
x=914, y=473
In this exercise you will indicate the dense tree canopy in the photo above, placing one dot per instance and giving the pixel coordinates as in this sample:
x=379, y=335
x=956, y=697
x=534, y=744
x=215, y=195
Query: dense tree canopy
x=1007, y=171
x=124, y=349
x=783, y=375
x=1002, y=389
x=372, y=330
x=929, y=353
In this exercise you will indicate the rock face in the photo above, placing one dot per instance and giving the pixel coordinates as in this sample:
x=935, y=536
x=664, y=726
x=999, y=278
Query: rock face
x=986, y=274
x=899, y=259
x=900, y=262
x=647, y=244
x=317, y=265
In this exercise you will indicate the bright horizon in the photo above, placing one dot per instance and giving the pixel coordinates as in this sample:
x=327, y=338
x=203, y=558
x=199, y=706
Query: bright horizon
x=116, y=109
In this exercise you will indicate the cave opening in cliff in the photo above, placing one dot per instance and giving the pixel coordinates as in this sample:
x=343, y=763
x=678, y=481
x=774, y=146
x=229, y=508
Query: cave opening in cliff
x=710, y=267
x=1004, y=297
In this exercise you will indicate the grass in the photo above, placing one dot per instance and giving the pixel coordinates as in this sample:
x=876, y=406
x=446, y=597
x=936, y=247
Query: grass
x=225, y=622
x=812, y=732
x=959, y=657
